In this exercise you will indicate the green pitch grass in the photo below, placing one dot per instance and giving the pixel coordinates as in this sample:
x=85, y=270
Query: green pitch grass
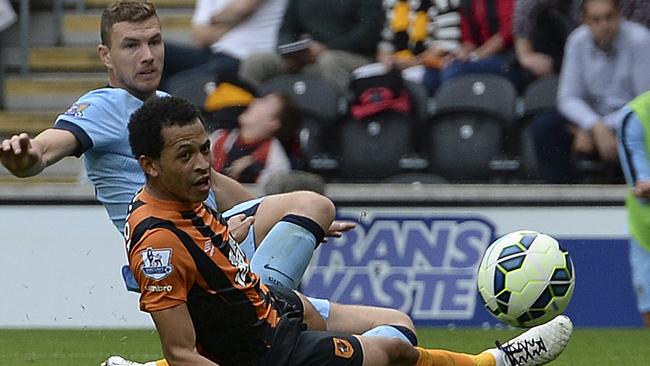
x=89, y=347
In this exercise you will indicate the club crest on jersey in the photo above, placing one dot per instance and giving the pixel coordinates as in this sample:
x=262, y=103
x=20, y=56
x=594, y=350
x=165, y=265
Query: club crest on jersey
x=156, y=263
x=343, y=348
x=77, y=110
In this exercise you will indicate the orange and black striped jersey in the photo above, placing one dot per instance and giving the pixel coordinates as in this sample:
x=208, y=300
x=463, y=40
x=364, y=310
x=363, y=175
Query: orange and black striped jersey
x=182, y=253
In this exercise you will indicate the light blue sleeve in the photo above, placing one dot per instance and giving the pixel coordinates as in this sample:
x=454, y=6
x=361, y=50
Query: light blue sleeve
x=632, y=148
x=101, y=114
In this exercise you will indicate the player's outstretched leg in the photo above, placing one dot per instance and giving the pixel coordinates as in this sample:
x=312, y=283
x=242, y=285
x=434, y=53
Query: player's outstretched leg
x=119, y=361
x=538, y=345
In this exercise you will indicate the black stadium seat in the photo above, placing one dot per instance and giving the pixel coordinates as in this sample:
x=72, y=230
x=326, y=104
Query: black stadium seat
x=384, y=144
x=374, y=147
x=467, y=130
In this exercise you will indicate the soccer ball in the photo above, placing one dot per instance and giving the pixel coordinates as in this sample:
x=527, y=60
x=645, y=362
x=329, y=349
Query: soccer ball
x=526, y=278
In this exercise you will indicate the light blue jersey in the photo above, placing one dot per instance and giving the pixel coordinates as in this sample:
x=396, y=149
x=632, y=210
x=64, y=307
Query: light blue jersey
x=99, y=120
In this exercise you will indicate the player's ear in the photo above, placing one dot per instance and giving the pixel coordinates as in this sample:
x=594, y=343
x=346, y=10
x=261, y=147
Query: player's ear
x=148, y=165
x=105, y=55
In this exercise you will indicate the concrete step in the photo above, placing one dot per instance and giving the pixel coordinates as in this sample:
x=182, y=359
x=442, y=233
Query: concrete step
x=65, y=59
x=48, y=92
x=160, y=4
x=82, y=29
x=32, y=122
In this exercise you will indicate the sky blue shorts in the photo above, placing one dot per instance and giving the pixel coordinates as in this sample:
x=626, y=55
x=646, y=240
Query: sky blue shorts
x=640, y=265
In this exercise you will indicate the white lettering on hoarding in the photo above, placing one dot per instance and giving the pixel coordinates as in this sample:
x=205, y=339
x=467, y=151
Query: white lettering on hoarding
x=423, y=266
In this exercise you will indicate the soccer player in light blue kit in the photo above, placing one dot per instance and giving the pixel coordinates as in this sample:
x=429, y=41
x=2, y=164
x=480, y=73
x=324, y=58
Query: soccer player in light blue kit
x=634, y=150
x=286, y=227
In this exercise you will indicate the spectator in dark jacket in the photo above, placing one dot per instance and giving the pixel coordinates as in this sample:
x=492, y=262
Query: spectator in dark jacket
x=344, y=35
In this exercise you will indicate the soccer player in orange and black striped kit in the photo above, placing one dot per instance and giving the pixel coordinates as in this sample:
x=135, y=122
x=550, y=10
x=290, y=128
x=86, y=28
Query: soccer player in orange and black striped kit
x=209, y=308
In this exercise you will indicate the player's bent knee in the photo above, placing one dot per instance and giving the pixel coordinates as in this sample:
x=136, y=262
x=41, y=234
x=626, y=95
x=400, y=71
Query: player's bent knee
x=394, y=317
x=321, y=208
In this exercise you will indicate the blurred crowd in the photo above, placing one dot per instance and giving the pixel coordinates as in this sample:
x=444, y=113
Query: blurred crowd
x=391, y=60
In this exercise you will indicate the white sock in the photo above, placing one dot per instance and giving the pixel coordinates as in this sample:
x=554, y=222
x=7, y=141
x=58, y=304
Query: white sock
x=498, y=356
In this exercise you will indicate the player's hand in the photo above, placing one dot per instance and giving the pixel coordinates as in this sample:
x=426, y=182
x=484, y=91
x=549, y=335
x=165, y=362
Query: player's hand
x=339, y=227
x=18, y=155
x=605, y=141
x=239, y=225
x=641, y=189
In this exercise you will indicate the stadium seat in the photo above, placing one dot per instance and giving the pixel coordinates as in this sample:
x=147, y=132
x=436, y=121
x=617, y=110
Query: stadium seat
x=387, y=143
x=466, y=132
x=322, y=106
x=376, y=147
x=539, y=97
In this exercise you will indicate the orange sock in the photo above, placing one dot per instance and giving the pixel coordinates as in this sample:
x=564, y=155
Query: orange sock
x=162, y=363
x=436, y=357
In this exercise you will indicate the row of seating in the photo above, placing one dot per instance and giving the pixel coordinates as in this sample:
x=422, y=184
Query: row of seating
x=474, y=129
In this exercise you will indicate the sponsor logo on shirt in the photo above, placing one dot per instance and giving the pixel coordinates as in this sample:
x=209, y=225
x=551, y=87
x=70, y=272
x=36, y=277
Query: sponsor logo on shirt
x=77, y=110
x=156, y=263
x=158, y=288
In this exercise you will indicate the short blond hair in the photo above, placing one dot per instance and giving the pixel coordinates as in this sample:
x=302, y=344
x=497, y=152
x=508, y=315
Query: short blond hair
x=124, y=11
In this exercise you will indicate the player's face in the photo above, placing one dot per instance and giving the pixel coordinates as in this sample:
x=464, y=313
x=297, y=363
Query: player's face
x=183, y=170
x=135, y=57
x=262, y=116
x=604, y=21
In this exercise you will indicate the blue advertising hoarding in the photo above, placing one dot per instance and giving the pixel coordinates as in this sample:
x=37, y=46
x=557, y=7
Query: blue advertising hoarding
x=425, y=264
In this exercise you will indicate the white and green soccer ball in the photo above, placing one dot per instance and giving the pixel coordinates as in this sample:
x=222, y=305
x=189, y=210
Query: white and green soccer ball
x=526, y=278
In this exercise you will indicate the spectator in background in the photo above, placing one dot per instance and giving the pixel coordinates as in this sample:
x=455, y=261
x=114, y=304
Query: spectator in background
x=344, y=35
x=486, y=32
x=415, y=37
x=604, y=67
x=224, y=32
x=541, y=28
x=254, y=152
x=634, y=148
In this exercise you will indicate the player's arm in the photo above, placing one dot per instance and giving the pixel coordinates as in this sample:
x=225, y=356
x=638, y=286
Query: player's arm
x=177, y=336
x=26, y=157
x=234, y=13
x=228, y=191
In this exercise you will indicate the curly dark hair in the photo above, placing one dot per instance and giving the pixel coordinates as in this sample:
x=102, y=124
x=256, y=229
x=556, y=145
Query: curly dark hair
x=146, y=123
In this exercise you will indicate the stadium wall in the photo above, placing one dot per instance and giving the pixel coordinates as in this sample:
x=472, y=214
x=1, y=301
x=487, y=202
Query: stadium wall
x=61, y=256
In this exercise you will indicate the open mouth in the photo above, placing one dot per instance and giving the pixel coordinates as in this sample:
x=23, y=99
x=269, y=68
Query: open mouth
x=203, y=183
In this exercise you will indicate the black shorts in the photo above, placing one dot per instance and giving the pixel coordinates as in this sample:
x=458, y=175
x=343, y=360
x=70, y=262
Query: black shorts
x=316, y=348
x=295, y=346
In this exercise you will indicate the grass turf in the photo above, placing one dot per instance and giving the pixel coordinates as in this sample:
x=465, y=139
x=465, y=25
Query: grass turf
x=89, y=347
